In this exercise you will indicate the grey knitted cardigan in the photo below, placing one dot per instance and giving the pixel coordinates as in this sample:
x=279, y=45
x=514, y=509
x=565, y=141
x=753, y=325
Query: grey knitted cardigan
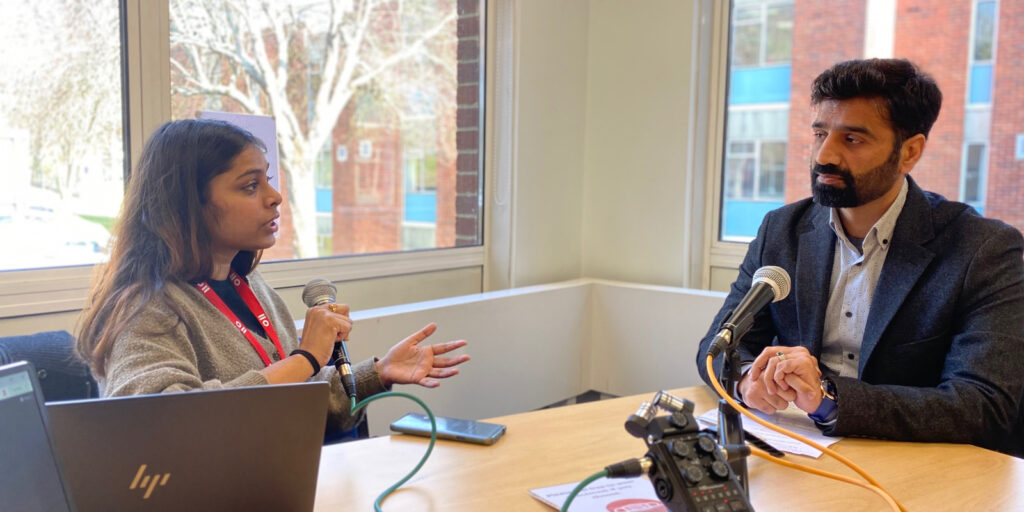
x=164, y=352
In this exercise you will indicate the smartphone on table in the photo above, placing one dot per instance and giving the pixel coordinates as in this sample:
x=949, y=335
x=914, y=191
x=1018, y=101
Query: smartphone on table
x=469, y=431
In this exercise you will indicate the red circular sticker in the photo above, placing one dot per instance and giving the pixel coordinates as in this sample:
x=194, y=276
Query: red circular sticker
x=636, y=505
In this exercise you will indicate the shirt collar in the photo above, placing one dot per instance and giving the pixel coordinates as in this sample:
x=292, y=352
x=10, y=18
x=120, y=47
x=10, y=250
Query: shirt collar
x=882, y=230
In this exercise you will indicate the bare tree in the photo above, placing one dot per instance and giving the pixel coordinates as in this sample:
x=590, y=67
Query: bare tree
x=62, y=85
x=300, y=62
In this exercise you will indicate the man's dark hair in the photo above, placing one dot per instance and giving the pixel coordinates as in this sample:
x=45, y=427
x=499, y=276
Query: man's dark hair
x=912, y=97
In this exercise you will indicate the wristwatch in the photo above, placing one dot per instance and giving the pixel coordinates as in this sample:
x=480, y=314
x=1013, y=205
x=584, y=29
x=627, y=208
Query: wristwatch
x=828, y=389
x=828, y=410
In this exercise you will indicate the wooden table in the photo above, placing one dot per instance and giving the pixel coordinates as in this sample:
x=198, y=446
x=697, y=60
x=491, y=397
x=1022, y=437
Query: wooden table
x=567, y=444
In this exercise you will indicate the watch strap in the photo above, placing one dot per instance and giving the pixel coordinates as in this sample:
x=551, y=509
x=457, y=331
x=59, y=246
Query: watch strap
x=828, y=410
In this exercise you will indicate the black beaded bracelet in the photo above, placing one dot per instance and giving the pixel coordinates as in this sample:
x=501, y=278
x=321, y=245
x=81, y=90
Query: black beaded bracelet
x=309, y=357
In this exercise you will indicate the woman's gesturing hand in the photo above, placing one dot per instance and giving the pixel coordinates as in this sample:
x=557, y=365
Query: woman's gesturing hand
x=409, y=363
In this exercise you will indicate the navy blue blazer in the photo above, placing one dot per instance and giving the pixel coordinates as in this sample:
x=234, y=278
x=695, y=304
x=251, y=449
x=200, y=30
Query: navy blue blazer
x=942, y=357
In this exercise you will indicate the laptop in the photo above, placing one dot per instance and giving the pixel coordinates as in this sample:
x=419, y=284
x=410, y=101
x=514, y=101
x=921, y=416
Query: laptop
x=30, y=475
x=255, y=448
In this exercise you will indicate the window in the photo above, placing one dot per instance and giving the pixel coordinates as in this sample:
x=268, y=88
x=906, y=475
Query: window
x=762, y=32
x=61, y=139
x=978, y=111
x=974, y=165
x=755, y=176
x=401, y=104
x=346, y=116
x=982, y=52
x=983, y=39
x=777, y=48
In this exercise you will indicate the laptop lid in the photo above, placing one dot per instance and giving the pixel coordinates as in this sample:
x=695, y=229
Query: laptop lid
x=30, y=479
x=255, y=448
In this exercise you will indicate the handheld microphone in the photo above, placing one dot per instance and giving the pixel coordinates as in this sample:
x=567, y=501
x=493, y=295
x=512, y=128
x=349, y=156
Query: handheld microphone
x=318, y=292
x=770, y=284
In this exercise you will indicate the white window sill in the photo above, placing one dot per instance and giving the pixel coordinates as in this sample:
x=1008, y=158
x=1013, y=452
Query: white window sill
x=53, y=290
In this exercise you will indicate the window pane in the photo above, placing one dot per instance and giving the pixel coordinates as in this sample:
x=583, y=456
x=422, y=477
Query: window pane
x=746, y=45
x=773, y=171
x=323, y=235
x=779, y=37
x=739, y=177
x=972, y=172
x=984, y=30
x=374, y=133
x=747, y=11
x=755, y=182
x=60, y=131
x=741, y=147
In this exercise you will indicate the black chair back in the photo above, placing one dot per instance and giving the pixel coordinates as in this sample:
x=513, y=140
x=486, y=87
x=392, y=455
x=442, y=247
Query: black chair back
x=62, y=375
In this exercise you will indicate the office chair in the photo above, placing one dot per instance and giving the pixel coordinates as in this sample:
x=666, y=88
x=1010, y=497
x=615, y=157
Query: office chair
x=62, y=375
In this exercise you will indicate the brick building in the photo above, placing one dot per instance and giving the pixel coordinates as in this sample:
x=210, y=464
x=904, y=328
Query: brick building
x=971, y=48
x=410, y=181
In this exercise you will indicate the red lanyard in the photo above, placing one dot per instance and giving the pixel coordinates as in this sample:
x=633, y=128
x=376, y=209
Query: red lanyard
x=254, y=305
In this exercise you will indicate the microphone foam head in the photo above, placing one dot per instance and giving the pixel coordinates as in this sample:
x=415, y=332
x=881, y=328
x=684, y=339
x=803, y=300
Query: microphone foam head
x=776, y=277
x=319, y=291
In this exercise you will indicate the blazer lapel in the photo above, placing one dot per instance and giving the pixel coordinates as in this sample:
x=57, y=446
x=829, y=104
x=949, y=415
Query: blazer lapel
x=906, y=261
x=813, y=275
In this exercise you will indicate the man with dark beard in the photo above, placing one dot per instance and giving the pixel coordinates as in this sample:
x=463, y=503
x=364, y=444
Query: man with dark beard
x=906, y=319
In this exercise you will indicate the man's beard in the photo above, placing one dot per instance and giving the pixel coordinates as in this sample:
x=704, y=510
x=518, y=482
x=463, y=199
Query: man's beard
x=858, y=191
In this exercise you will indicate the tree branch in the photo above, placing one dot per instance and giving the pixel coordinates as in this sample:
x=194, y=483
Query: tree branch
x=206, y=87
x=415, y=48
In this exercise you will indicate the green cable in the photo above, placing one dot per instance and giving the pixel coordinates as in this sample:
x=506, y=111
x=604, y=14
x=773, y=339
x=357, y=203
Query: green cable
x=572, y=495
x=430, y=447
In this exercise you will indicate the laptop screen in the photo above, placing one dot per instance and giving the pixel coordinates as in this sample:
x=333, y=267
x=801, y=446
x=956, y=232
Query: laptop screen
x=30, y=479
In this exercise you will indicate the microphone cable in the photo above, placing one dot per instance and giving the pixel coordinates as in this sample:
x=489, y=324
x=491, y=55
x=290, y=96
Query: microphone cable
x=430, y=447
x=814, y=471
x=579, y=487
x=630, y=468
x=872, y=484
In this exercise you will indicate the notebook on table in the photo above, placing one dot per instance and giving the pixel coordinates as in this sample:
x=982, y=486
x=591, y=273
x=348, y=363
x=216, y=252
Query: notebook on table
x=255, y=448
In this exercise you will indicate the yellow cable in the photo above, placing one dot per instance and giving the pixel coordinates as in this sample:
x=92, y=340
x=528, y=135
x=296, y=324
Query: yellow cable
x=814, y=471
x=721, y=392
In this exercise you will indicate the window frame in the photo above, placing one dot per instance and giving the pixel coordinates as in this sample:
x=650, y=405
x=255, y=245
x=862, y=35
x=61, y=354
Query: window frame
x=146, y=97
x=981, y=179
x=719, y=255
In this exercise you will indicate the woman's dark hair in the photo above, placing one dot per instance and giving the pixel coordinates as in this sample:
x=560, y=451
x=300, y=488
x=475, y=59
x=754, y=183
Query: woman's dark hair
x=161, y=235
x=911, y=97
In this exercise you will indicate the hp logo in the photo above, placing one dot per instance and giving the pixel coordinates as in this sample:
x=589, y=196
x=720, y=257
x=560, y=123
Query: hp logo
x=148, y=482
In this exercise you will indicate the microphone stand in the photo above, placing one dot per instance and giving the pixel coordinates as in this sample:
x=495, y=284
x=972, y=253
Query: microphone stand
x=730, y=429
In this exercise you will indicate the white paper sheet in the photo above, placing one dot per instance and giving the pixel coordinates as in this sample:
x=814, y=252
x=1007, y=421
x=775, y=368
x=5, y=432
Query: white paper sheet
x=603, y=495
x=792, y=419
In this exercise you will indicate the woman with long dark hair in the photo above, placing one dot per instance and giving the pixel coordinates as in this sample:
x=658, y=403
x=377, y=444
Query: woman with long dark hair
x=180, y=306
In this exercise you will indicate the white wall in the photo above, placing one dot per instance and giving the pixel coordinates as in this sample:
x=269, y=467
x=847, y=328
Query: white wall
x=359, y=294
x=525, y=346
x=635, y=215
x=534, y=346
x=549, y=141
x=604, y=106
x=644, y=337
